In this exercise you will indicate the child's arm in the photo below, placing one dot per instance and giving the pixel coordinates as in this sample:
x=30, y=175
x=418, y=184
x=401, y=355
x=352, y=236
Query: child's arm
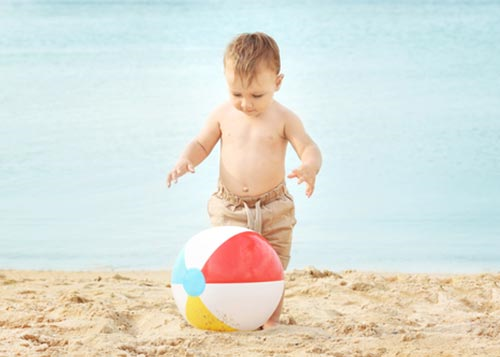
x=197, y=150
x=308, y=152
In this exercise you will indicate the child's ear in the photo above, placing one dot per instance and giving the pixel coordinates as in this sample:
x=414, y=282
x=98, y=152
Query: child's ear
x=279, y=80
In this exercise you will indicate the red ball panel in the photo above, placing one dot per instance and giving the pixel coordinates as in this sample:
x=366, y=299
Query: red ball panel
x=245, y=258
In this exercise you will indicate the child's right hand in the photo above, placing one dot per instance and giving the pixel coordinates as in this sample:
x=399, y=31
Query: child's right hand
x=182, y=167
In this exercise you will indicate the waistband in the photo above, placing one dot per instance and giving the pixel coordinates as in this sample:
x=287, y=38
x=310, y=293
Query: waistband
x=268, y=197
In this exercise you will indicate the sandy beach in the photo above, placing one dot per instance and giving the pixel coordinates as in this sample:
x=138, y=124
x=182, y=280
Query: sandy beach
x=349, y=313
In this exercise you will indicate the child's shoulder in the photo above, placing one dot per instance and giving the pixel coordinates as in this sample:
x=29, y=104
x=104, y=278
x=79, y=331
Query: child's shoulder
x=285, y=112
x=222, y=110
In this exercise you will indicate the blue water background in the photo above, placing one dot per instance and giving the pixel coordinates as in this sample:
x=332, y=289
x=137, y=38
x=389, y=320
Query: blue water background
x=97, y=100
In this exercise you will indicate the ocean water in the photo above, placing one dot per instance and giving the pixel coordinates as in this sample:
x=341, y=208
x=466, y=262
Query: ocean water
x=97, y=100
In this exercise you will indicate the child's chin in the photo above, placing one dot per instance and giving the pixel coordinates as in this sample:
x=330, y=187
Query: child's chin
x=252, y=113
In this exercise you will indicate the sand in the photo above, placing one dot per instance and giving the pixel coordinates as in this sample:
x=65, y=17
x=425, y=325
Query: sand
x=349, y=313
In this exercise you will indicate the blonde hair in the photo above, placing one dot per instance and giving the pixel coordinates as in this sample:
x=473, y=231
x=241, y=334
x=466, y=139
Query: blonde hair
x=247, y=51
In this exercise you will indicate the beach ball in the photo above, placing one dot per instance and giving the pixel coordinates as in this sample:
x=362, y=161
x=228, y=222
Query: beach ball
x=226, y=279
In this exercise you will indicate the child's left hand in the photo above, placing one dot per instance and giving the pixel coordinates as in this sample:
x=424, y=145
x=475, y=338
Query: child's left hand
x=305, y=174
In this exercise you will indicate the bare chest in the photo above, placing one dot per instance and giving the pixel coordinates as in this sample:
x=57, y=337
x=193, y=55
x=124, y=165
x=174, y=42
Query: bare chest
x=255, y=132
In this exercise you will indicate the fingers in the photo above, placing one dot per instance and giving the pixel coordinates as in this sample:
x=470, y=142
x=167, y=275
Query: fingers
x=303, y=176
x=172, y=177
x=309, y=190
x=177, y=172
x=298, y=174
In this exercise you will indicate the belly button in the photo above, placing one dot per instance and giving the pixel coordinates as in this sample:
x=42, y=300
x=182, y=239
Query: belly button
x=245, y=189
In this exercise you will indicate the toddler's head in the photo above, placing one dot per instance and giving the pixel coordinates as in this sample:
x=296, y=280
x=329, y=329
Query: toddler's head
x=248, y=52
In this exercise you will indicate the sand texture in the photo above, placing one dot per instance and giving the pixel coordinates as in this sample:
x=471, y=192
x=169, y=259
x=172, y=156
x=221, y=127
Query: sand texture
x=56, y=313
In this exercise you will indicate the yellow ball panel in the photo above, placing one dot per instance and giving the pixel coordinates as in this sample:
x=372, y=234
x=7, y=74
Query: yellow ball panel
x=199, y=316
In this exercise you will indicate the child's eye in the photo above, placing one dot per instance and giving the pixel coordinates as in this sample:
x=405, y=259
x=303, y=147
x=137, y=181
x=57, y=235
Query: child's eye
x=237, y=94
x=258, y=95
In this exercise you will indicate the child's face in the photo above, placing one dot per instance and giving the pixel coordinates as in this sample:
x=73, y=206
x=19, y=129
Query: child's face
x=253, y=99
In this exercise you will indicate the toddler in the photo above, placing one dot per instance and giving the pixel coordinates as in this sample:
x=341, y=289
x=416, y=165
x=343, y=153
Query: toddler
x=254, y=130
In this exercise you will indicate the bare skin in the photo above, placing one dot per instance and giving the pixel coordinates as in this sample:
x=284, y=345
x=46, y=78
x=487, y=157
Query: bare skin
x=254, y=131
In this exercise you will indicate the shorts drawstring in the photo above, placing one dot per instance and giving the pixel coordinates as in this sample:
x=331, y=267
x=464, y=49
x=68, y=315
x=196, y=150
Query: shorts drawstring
x=254, y=218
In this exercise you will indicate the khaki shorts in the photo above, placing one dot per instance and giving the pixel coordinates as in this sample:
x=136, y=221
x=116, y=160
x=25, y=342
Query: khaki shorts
x=271, y=214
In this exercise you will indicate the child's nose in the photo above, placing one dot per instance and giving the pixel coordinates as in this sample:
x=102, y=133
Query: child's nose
x=246, y=104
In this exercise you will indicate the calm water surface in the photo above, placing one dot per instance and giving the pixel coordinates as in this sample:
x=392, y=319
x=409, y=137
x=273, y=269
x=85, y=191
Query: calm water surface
x=98, y=99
